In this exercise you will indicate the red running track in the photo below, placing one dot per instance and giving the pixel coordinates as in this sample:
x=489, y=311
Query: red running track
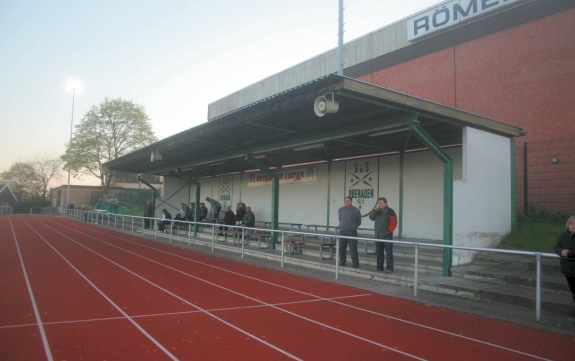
x=74, y=291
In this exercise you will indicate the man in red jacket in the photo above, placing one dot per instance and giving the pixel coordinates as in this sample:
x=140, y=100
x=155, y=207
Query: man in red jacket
x=385, y=222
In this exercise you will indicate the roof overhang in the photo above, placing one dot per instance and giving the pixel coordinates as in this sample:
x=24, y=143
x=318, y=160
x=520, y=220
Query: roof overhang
x=370, y=120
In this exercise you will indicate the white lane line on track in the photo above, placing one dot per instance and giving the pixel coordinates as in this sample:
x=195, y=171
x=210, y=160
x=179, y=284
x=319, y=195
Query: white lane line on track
x=178, y=313
x=235, y=292
x=47, y=350
x=178, y=297
x=160, y=346
x=310, y=294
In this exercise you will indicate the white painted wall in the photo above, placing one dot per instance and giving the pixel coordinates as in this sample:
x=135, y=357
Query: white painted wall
x=482, y=201
x=423, y=193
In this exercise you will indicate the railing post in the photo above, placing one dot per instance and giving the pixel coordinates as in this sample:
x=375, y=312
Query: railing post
x=123, y=218
x=171, y=229
x=189, y=234
x=213, y=237
x=243, y=241
x=538, y=288
x=115, y=221
x=155, y=228
x=416, y=246
x=337, y=257
x=283, y=245
x=132, y=225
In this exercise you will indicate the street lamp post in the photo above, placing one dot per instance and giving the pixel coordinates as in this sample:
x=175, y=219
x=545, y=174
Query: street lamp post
x=70, y=148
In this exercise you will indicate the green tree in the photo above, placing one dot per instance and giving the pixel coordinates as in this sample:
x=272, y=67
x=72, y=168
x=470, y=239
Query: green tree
x=22, y=180
x=106, y=132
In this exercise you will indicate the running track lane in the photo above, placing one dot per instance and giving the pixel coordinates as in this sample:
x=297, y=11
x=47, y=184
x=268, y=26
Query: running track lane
x=390, y=333
x=194, y=291
x=61, y=296
x=395, y=335
x=189, y=336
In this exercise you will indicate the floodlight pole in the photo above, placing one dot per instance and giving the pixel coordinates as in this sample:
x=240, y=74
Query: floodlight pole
x=340, y=41
x=70, y=148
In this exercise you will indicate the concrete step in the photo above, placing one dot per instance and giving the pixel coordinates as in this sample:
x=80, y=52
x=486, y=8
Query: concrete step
x=497, y=275
x=492, y=259
x=525, y=297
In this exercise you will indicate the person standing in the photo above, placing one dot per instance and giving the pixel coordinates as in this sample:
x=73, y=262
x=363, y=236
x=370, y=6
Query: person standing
x=565, y=248
x=147, y=213
x=349, y=221
x=216, y=207
x=385, y=223
x=84, y=213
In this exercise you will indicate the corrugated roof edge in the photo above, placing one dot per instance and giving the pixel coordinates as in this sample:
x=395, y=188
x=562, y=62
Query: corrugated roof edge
x=184, y=133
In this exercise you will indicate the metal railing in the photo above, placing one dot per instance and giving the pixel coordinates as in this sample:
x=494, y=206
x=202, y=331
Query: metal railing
x=5, y=209
x=98, y=218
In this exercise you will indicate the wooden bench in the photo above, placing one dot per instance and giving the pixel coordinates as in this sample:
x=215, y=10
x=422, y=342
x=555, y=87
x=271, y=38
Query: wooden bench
x=321, y=243
x=259, y=235
x=366, y=233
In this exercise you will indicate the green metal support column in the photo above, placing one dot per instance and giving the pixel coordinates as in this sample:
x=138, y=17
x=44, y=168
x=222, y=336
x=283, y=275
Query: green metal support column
x=401, y=193
x=275, y=195
x=328, y=191
x=197, y=204
x=513, y=181
x=447, y=193
x=153, y=194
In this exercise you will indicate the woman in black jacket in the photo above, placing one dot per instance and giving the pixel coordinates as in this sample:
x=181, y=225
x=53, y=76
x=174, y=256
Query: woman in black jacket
x=565, y=248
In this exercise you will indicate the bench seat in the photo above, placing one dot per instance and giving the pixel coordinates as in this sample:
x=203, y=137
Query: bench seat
x=321, y=243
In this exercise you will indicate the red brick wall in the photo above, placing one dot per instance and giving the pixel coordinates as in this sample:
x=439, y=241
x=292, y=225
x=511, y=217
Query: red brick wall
x=524, y=76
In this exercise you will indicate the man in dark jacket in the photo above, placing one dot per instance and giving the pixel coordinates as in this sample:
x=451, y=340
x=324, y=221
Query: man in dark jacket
x=229, y=219
x=203, y=213
x=349, y=221
x=385, y=222
x=249, y=220
x=147, y=213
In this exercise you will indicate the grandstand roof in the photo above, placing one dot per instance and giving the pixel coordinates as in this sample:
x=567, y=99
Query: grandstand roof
x=274, y=129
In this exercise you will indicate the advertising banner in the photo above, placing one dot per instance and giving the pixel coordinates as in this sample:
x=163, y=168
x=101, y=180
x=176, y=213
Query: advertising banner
x=287, y=176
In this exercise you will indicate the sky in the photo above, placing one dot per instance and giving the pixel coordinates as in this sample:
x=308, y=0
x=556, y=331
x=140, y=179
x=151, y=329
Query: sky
x=173, y=57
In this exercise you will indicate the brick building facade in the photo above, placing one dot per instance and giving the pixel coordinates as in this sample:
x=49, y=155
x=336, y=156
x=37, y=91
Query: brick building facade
x=517, y=67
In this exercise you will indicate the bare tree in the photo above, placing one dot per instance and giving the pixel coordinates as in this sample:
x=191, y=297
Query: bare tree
x=47, y=168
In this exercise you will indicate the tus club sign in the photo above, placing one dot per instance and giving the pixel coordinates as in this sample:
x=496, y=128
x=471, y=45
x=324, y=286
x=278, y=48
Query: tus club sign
x=449, y=14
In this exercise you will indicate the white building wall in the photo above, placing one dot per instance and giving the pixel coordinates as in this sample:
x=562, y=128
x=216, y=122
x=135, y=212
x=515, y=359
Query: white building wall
x=482, y=199
x=423, y=193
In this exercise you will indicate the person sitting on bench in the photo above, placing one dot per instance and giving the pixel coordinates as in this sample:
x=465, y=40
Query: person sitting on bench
x=249, y=220
x=166, y=220
x=191, y=216
x=203, y=213
x=229, y=219
x=240, y=212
